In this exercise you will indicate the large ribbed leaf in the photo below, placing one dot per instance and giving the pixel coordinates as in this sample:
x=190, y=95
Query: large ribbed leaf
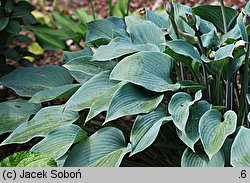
x=15, y=112
x=240, y=151
x=161, y=20
x=146, y=128
x=89, y=91
x=184, y=48
x=179, y=108
x=105, y=148
x=26, y=81
x=120, y=47
x=213, y=131
x=130, y=100
x=143, y=31
x=59, y=140
x=82, y=68
x=28, y=159
x=148, y=69
x=41, y=124
x=103, y=31
x=200, y=159
x=213, y=14
x=102, y=102
x=191, y=134
x=54, y=93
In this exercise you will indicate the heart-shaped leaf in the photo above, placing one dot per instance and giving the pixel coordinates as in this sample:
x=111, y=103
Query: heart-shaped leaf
x=148, y=69
x=130, y=100
x=146, y=128
x=240, y=151
x=28, y=159
x=54, y=93
x=82, y=68
x=214, y=130
x=200, y=159
x=179, y=108
x=26, y=81
x=191, y=134
x=15, y=112
x=105, y=148
x=89, y=91
x=143, y=31
x=59, y=140
x=41, y=124
x=119, y=47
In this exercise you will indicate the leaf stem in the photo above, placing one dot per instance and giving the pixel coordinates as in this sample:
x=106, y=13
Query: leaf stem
x=128, y=7
x=204, y=70
x=223, y=15
x=246, y=78
x=182, y=71
x=92, y=9
x=229, y=87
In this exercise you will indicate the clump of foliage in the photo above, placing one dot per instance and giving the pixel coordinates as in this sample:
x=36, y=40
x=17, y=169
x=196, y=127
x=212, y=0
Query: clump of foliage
x=13, y=16
x=170, y=72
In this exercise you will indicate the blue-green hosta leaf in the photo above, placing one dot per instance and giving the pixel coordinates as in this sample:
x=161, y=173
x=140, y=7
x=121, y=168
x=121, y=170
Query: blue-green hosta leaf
x=179, y=107
x=105, y=148
x=28, y=159
x=213, y=14
x=242, y=27
x=120, y=47
x=224, y=52
x=54, y=93
x=200, y=159
x=181, y=10
x=103, y=31
x=26, y=81
x=41, y=124
x=15, y=112
x=82, y=68
x=240, y=151
x=184, y=48
x=222, y=59
x=143, y=31
x=102, y=102
x=210, y=39
x=89, y=91
x=213, y=131
x=146, y=128
x=191, y=134
x=148, y=69
x=59, y=140
x=161, y=21
x=130, y=100
x=69, y=55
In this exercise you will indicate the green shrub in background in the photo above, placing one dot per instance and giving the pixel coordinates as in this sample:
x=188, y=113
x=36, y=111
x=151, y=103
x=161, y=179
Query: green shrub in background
x=168, y=74
x=13, y=15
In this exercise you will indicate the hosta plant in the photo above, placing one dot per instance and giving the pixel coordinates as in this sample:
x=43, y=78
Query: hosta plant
x=160, y=90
